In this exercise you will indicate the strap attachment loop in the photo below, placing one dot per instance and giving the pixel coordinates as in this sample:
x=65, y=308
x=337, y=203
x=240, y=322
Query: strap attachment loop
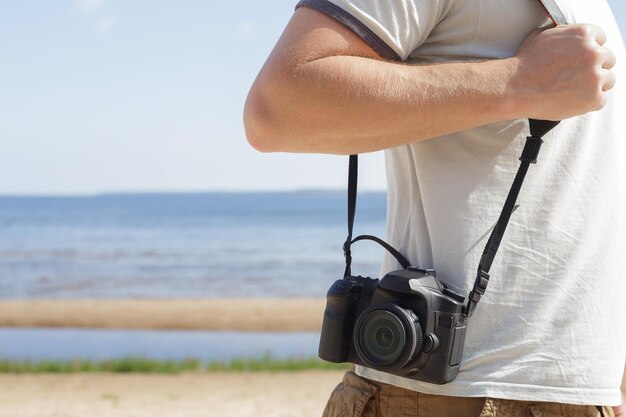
x=531, y=149
x=480, y=286
x=347, y=253
x=482, y=280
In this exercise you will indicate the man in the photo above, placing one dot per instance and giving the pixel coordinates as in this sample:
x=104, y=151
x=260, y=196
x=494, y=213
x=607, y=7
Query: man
x=445, y=88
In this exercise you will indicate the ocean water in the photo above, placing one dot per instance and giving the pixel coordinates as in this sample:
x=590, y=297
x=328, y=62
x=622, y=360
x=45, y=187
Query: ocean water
x=182, y=245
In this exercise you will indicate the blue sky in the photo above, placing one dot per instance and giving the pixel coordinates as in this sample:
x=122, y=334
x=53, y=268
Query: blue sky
x=105, y=95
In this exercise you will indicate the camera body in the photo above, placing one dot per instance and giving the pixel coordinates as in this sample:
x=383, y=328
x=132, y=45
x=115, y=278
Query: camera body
x=408, y=324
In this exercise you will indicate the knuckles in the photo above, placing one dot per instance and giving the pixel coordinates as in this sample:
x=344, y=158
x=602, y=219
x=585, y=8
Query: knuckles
x=587, y=31
x=595, y=56
x=596, y=77
x=582, y=31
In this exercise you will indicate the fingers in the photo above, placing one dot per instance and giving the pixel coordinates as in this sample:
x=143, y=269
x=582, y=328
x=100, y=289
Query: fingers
x=608, y=58
x=605, y=57
x=608, y=80
x=608, y=62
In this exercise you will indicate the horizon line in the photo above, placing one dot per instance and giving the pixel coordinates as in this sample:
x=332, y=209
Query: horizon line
x=182, y=192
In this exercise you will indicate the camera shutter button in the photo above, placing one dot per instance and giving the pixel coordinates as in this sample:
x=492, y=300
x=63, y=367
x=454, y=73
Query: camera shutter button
x=431, y=343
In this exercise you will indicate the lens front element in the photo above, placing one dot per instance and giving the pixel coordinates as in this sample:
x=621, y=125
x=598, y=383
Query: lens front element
x=382, y=337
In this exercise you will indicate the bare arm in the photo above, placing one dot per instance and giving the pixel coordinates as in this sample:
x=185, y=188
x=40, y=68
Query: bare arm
x=324, y=90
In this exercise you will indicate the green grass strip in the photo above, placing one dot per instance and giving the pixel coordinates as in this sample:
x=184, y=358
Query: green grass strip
x=143, y=365
x=267, y=363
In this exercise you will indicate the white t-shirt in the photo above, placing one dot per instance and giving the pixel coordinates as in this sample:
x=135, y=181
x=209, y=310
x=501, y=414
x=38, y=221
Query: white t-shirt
x=552, y=324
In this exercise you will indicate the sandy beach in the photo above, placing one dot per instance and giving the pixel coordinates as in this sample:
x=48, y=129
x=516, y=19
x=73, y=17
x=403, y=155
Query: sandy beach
x=259, y=394
x=224, y=394
x=279, y=394
x=291, y=314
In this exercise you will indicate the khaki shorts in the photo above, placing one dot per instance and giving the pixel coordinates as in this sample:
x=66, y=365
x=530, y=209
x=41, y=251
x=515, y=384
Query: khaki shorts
x=356, y=396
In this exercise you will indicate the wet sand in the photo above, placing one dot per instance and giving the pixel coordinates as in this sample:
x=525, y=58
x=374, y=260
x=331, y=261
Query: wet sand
x=279, y=394
x=296, y=314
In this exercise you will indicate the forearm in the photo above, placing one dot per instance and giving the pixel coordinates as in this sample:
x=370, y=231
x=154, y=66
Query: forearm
x=349, y=104
x=324, y=90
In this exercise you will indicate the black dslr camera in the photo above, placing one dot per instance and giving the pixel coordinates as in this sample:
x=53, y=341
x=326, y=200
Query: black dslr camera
x=408, y=324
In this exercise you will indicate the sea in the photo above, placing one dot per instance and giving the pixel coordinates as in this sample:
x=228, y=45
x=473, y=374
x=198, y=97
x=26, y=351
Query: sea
x=176, y=245
x=202, y=245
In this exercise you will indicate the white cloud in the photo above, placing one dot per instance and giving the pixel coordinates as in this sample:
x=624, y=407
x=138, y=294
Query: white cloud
x=105, y=24
x=89, y=6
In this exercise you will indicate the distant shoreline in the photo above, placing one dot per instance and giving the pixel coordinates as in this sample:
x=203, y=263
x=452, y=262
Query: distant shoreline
x=137, y=193
x=253, y=314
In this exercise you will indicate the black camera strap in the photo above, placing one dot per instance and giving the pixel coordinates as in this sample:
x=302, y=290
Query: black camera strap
x=538, y=128
x=353, y=169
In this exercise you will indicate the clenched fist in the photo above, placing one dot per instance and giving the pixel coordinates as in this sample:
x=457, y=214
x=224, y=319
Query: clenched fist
x=563, y=72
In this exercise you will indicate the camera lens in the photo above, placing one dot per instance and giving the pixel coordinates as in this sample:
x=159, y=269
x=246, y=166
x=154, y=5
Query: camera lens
x=382, y=337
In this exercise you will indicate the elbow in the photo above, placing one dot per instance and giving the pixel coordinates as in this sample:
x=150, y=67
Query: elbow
x=256, y=125
x=276, y=117
x=262, y=127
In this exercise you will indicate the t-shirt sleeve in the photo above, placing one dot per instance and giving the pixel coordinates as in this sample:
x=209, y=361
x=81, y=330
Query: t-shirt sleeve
x=393, y=28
